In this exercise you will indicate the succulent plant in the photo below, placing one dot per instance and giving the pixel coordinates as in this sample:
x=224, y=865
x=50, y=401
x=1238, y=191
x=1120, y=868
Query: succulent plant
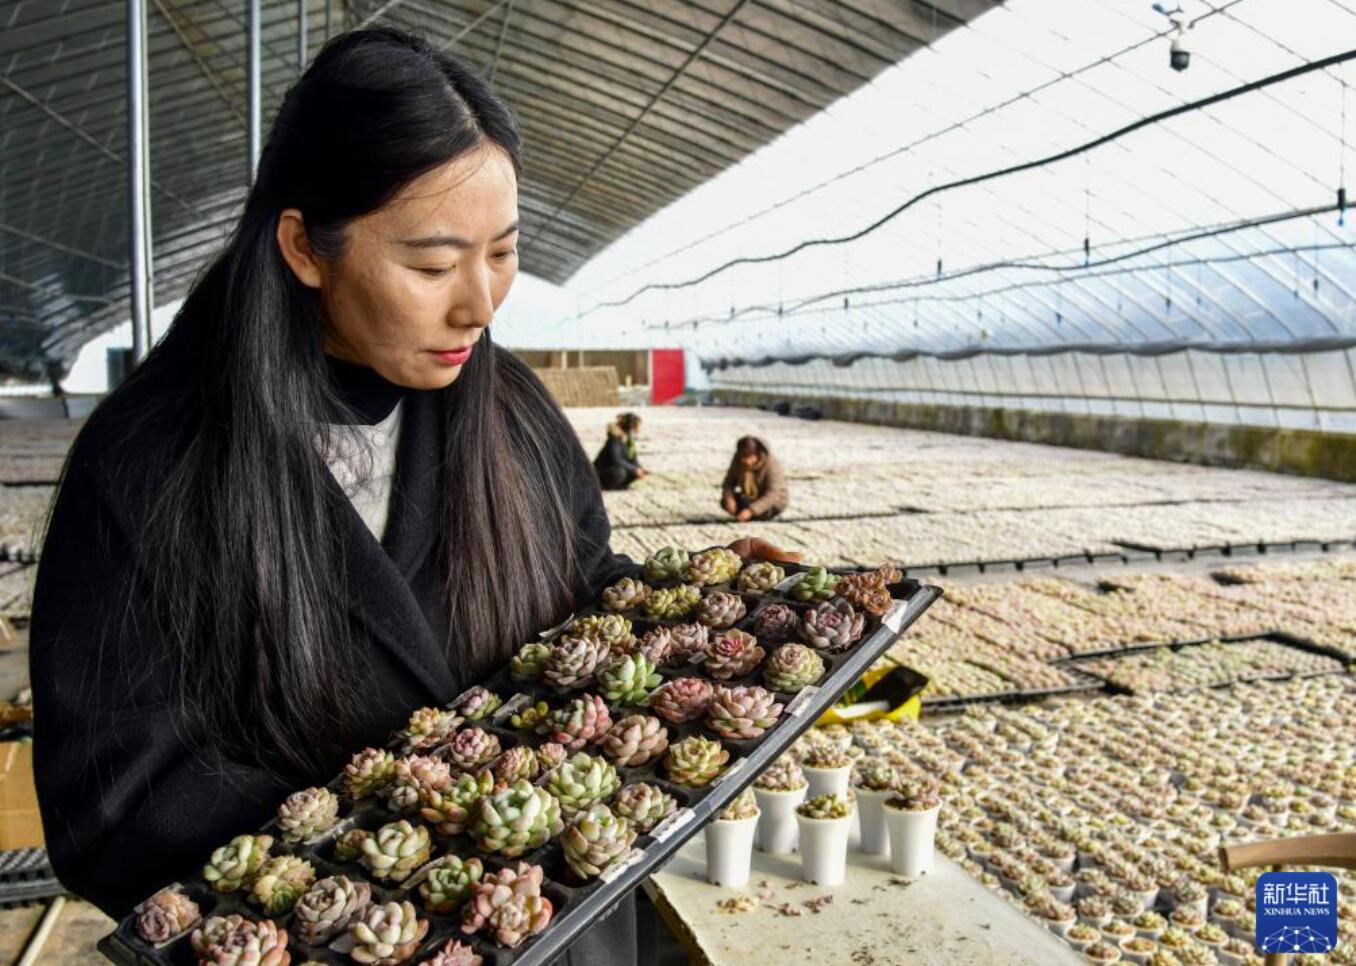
x=832, y=627
x=165, y=915
x=695, y=761
x=682, y=699
x=733, y=654
x=530, y=662
x=595, y=839
x=368, y=772
x=328, y=907
x=667, y=563
x=516, y=819
x=387, y=934
x=509, y=904
x=742, y=712
x=581, y=722
x=613, y=630
x=716, y=566
x=236, y=941
x=450, y=809
x=531, y=717
x=350, y=844
x=628, y=679
x=235, y=865
x=518, y=762
x=917, y=795
x=743, y=806
x=455, y=953
x=551, y=754
x=644, y=805
x=656, y=645
x=792, y=667
x=760, y=577
x=877, y=775
x=574, y=659
x=449, y=882
x=825, y=807
x=625, y=595
x=428, y=728
x=412, y=774
x=281, y=882
x=869, y=590
x=635, y=740
x=775, y=623
x=307, y=813
x=472, y=748
x=672, y=603
x=720, y=609
x=783, y=775
x=688, y=643
x=814, y=584
x=478, y=704
x=396, y=851
x=825, y=755
x=580, y=781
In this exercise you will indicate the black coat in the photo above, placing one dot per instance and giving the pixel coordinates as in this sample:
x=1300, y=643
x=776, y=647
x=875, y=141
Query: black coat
x=128, y=802
x=615, y=468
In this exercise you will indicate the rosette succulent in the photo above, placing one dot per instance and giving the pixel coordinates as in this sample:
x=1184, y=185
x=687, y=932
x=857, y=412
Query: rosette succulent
x=672, y=603
x=236, y=941
x=644, y=805
x=368, y=772
x=450, y=808
x=625, y=595
x=742, y=712
x=518, y=762
x=869, y=591
x=551, y=754
x=396, y=851
x=775, y=623
x=595, y=839
x=760, y=577
x=792, y=667
x=628, y=679
x=573, y=660
x=656, y=645
x=814, y=584
x=516, y=819
x=733, y=654
x=412, y=773
x=530, y=662
x=478, y=703
x=682, y=699
x=387, y=933
x=832, y=627
x=720, y=609
x=236, y=864
x=510, y=905
x=350, y=844
x=667, y=563
x=428, y=728
x=307, y=813
x=695, y=761
x=915, y=795
x=165, y=915
x=449, y=882
x=328, y=908
x=783, y=775
x=281, y=882
x=472, y=748
x=580, y=781
x=825, y=807
x=688, y=643
x=613, y=630
x=719, y=565
x=583, y=721
x=744, y=806
x=876, y=775
x=455, y=953
x=531, y=717
x=825, y=755
x=634, y=740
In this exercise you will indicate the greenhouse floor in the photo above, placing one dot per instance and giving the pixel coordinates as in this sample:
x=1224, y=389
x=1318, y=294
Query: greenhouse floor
x=862, y=495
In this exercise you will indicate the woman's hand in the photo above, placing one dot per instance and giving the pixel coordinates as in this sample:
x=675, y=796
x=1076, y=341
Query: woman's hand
x=744, y=515
x=756, y=548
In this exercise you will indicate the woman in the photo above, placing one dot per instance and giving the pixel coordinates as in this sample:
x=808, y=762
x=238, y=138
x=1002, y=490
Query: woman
x=325, y=500
x=616, y=463
x=755, y=486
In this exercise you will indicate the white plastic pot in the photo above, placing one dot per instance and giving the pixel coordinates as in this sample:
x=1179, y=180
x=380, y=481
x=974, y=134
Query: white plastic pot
x=827, y=781
x=823, y=849
x=911, y=840
x=729, y=846
x=777, y=819
x=875, y=840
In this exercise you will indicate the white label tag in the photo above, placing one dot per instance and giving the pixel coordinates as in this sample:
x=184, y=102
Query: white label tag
x=730, y=772
x=895, y=618
x=621, y=865
x=801, y=701
x=672, y=824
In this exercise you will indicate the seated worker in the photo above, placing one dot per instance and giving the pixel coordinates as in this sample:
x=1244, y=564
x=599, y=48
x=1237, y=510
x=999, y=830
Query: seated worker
x=616, y=462
x=754, y=487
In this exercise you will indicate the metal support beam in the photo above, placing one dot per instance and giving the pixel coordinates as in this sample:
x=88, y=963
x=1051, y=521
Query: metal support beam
x=301, y=35
x=138, y=180
x=256, y=109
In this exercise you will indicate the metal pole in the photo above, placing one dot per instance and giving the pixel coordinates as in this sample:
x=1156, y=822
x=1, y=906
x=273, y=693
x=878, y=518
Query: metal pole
x=256, y=147
x=301, y=35
x=138, y=179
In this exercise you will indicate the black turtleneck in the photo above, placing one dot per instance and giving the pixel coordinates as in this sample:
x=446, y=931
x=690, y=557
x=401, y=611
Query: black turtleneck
x=370, y=396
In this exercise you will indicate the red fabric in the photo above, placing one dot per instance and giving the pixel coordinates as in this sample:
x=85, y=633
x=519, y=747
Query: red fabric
x=666, y=375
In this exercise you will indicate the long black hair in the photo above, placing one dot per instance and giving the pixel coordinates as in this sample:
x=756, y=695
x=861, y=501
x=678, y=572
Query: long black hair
x=249, y=571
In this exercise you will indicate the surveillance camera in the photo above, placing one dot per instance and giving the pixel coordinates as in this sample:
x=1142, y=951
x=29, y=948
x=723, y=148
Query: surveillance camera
x=1179, y=54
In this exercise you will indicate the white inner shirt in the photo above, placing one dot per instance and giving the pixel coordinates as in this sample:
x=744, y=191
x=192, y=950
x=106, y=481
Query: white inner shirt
x=362, y=460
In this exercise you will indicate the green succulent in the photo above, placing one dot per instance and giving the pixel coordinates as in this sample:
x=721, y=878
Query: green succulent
x=580, y=781
x=449, y=882
x=530, y=662
x=667, y=563
x=516, y=819
x=235, y=865
x=814, y=584
x=628, y=680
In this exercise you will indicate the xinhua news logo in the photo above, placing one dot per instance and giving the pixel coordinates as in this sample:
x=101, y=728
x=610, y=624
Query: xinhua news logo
x=1296, y=912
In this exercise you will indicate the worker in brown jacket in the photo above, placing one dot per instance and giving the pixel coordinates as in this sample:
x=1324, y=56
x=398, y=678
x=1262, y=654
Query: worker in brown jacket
x=755, y=486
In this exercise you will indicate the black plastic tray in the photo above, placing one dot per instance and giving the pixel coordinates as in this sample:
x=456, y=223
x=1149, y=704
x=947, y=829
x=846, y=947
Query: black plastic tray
x=577, y=906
